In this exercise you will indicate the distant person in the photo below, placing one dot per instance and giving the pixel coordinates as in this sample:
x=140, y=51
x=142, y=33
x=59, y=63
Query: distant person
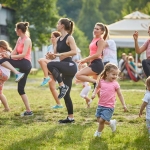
x=43, y=63
x=110, y=52
x=4, y=74
x=146, y=103
x=139, y=50
x=108, y=88
x=20, y=58
x=77, y=57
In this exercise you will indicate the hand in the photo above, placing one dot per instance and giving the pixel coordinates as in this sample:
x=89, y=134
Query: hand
x=140, y=114
x=5, y=55
x=125, y=109
x=82, y=61
x=135, y=35
x=50, y=56
x=93, y=96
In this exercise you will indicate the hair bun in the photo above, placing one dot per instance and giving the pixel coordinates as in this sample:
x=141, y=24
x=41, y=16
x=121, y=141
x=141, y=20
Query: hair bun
x=26, y=24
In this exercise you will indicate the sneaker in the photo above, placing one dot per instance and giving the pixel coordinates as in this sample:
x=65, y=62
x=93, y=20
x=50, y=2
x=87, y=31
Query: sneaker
x=63, y=91
x=19, y=76
x=27, y=113
x=67, y=120
x=45, y=80
x=113, y=124
x=97, y=134
x=57, y=106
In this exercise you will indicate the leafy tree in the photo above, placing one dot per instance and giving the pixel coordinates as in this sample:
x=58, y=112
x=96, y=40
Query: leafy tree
x=89, y=15
x=41, y=14
x=69, y=9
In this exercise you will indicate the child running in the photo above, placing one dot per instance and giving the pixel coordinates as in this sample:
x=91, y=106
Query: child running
x=146, y=103
x=86, y=87
x=108, y=88
x=4, y=74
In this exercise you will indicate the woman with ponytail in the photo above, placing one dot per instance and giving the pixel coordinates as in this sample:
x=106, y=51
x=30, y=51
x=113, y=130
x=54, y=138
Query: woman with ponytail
x=64, y=71
x=20, y=58
x=95, y=58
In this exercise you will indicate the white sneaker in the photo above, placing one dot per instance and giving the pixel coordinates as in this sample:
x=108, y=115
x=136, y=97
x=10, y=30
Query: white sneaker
x=113, y=124
x=97, y=134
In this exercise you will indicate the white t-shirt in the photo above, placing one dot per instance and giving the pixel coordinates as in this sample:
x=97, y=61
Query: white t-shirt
x=147, y=100
x=110, y=52
x=5, y=71
x=51, y=50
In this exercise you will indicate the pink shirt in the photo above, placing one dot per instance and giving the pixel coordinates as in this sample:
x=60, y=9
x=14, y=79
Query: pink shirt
x=147, y=44
x=93, y=46
x=20, y=46
x=108, y=93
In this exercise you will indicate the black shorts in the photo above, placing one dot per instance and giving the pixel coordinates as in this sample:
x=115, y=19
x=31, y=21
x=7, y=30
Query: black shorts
x=97, y=66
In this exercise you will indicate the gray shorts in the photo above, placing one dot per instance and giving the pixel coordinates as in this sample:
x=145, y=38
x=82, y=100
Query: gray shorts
x=104, y=113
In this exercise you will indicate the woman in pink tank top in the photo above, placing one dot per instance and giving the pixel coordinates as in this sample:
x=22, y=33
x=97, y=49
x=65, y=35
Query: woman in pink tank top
x=96, y=47
x=20, y=58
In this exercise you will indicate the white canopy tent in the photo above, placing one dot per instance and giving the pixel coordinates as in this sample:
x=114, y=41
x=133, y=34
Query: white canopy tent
x=121, y=32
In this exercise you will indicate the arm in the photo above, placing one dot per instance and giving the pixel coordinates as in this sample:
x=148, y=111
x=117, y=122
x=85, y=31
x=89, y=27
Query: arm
x=100, y=45
x=96, y=90
x=138, y=49
x=121, y=99
x=142, y=108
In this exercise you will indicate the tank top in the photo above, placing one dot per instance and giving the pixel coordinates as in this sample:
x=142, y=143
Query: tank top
x=93, y=46
x=62, y=46
x=20, y=46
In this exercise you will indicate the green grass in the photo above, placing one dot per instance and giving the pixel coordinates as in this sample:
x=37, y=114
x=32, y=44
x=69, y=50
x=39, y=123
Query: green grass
x=42, y=132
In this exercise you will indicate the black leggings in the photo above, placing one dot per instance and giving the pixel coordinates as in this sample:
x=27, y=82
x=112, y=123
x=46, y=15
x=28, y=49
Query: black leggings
x=146, y=66
x=68, y=70
x=24, y=66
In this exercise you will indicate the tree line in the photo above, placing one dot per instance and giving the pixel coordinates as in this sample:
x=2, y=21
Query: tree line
x=44, y=14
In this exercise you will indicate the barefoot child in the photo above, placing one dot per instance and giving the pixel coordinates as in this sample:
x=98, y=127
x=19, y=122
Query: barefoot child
x=108, y=89
x=146, y=103
x=4, y=74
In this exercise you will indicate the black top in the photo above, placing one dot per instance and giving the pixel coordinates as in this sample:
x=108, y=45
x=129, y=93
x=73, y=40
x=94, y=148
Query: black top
x=62, y=46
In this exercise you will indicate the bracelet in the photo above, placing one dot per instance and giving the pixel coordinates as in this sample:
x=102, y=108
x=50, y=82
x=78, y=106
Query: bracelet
x=10, y=57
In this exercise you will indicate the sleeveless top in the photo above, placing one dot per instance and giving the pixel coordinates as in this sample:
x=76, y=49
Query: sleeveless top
x=93, y=46
x=62, y=46
x=20, y=46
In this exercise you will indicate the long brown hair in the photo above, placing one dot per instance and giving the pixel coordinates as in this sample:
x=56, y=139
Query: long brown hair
x=103, y=28
x=24, y=27
x=5, y=45
x=68, y=24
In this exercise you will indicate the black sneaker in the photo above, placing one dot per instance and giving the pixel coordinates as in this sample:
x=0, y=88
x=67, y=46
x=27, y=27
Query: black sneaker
x=66, y=121
x=63, y=91
x=27, y=113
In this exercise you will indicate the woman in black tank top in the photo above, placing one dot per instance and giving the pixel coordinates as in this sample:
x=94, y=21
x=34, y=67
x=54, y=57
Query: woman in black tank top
x=64, y=49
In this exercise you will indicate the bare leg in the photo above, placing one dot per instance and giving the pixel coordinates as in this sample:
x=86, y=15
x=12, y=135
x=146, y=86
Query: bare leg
x=84, y=74
x=4, y=102
x=43, y=63
x=10, y=67
x=87, y=101
x=26, y=103
x=52, y=87
x=101, y=125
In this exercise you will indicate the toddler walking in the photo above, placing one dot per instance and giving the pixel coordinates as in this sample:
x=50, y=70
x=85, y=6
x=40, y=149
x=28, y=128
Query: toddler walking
x=86, y=87
x=108, y=88
x=146, y=103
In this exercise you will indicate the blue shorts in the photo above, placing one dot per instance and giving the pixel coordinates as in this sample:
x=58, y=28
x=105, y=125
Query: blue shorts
x=104, y=113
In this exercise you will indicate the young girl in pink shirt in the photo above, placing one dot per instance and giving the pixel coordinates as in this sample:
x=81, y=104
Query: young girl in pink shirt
x=108, y=88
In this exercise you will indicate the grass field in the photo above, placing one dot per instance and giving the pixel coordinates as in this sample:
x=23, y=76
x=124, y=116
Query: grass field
x=42, y=132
